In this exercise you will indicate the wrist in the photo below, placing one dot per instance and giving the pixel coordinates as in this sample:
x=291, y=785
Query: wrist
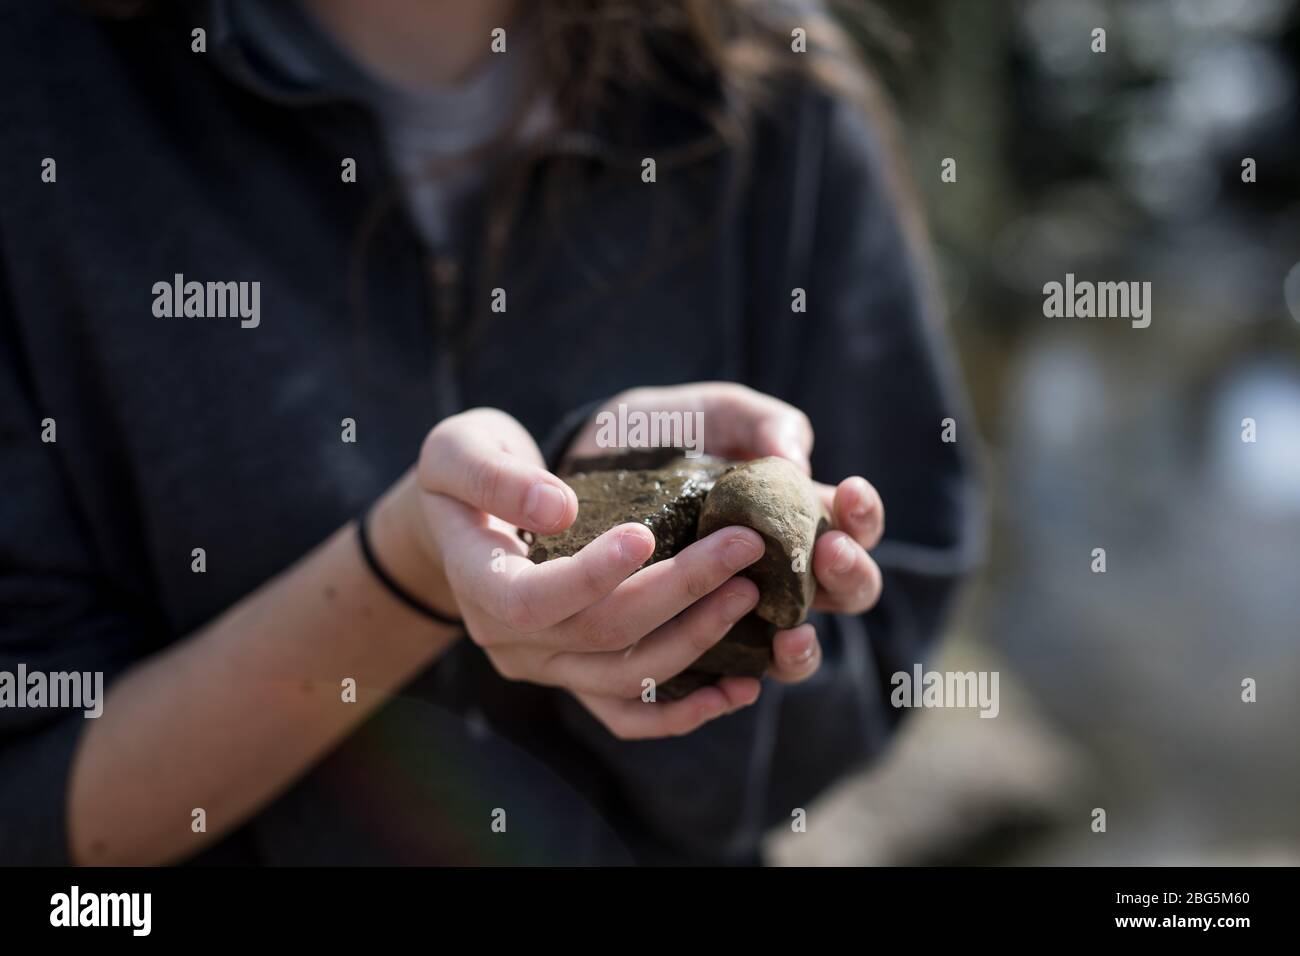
x=403, y=544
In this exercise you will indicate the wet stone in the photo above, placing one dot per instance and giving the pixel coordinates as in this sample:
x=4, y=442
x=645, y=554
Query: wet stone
x=777, y=500
x=682, y=499
x=667, y=500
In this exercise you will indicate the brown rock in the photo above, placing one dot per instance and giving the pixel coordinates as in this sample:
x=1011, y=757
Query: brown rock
x=777, y=500
x=682, y=499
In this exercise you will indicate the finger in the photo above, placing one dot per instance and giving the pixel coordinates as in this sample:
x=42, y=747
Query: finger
x=479, y=554
x=740, y=691
x=664, y=653
x=739, y=422
x=796, y=654
x=658, y=593
x=639, y=720
x=488, y=563
x=481, y=459
x=848, y=580
x=742, y=422
x=858, y=510
x=787, y=434
x=541, y=596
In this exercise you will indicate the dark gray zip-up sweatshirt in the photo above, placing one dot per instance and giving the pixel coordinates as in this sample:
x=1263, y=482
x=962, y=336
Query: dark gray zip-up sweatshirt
x=176, y=433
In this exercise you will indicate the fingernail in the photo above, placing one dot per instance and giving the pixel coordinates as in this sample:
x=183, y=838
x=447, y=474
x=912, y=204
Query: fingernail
x=865, y=503
x=804, y=656
x=545, y=505
x=631, y=547
x=844, y=555
x=741, y=551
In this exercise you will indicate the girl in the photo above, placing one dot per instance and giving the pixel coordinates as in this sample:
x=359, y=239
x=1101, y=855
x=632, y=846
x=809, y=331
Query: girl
x=469, y=227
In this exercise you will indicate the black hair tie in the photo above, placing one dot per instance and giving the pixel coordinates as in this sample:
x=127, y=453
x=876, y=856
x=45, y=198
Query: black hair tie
x=399, y=592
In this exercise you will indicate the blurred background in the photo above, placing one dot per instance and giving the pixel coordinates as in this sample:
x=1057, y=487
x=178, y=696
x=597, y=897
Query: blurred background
x=1119, y=690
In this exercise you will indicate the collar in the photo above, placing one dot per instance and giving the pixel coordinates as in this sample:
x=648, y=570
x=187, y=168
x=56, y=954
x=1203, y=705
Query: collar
x=231, y=55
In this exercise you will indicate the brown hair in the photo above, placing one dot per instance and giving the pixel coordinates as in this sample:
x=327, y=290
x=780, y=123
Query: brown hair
x=720, y=59
x=724, y=61
x=597, y=51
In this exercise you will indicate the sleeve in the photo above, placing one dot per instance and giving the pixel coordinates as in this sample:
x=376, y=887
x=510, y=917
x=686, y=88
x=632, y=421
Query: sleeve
x=869, y=363
x=56, y=616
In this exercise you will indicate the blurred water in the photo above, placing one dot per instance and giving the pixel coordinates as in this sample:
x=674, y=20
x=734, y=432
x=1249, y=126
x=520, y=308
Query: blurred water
x=1127, y=685
x=1143, y=664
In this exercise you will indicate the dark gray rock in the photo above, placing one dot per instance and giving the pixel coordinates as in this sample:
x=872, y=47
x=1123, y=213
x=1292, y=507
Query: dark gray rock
x=667, y=499
x=746, y=651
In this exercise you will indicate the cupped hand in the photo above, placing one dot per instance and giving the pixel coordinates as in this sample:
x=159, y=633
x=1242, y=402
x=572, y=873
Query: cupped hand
x=741, y=423
x=585, y=623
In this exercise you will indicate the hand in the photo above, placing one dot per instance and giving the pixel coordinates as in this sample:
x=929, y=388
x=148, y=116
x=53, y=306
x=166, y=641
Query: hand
x=585, y=623
x=742, y=423
x=738, y=421
x=848, y=580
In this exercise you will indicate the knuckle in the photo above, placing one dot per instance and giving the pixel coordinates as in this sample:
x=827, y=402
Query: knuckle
x=706, y=631
x=431, y=454
x=483, y=477
x=437, y=435
x=699, y=581
x=620, y=730
x=518, y=614
x=594, y=633
x=687, y=722
x=632, y=397
x=735, y=390
x=627, y=685
x=479, y=635
x=591, y=579
x=444, y=436
x=804, y=421
x=489, y=416
x=508, y=667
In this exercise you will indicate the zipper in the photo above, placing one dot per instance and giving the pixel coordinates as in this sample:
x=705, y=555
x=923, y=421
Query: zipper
x=444, y=272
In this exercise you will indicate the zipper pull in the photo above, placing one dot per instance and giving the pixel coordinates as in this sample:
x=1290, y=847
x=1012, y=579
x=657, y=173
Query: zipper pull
x=445, y=280
x=445, y=271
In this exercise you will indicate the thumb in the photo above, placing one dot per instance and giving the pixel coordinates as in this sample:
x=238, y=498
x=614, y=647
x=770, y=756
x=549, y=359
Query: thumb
x=487, y=460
